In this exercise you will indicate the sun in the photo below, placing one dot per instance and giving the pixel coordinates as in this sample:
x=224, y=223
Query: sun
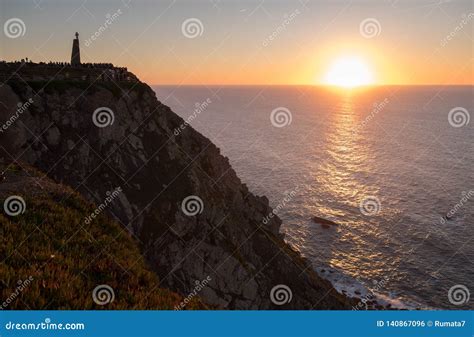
x=349, y=72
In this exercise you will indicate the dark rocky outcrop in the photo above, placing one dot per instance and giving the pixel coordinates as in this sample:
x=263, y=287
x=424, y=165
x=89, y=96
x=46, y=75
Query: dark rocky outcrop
x=325, y=223
x=157, y=170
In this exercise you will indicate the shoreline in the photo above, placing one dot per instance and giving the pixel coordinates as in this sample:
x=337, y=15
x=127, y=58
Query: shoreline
x=367, y=298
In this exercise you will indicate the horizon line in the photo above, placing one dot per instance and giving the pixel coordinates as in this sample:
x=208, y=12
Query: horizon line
x=315, y=85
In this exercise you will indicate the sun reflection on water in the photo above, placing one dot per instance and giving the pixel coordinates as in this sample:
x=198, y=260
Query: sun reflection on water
x=346, y=155
x=341, y=177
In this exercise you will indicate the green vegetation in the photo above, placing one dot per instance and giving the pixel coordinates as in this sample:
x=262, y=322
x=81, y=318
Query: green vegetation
x=64, y=259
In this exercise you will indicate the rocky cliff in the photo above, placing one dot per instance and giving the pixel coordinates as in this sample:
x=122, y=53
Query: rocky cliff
x=51, y=259
x=180, y=198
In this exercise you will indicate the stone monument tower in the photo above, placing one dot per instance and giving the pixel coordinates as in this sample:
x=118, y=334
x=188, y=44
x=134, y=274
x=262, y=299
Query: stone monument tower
x=76, y=53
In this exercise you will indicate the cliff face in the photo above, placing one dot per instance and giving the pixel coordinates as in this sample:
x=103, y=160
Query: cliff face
x=222, y=238
x=51, y=259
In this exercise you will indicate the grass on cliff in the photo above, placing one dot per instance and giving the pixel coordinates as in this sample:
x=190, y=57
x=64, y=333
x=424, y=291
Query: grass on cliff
x=65, y=259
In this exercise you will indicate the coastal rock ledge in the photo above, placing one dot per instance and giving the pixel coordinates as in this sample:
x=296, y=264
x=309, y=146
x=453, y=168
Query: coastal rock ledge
x=139, y=152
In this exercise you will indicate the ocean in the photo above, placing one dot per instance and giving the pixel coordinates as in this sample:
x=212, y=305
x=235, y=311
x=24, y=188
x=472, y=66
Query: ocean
x=391, y=165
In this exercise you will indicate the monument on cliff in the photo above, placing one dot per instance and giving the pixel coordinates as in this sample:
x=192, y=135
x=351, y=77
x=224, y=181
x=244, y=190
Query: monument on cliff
x=76, y=53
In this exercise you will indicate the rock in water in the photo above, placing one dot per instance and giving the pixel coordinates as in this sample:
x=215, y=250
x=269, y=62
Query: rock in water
x=325, y=223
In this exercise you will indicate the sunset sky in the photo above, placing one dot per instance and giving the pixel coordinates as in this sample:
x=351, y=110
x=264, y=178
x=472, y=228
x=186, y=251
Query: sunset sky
x=255, y=42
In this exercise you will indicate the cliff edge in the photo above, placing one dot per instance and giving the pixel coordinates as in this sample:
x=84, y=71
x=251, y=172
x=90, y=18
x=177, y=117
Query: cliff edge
x=180, y=198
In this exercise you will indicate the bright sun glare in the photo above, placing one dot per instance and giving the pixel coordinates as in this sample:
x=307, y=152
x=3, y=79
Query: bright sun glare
x=349, y=72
